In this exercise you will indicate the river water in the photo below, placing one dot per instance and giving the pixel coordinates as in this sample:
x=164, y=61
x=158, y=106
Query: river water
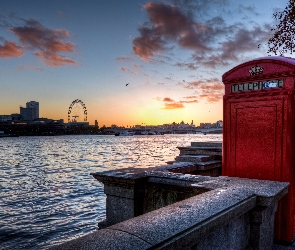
x=47, y=195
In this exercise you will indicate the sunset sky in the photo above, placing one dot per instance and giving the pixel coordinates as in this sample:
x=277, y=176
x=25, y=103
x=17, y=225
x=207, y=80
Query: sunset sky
x=172, y=54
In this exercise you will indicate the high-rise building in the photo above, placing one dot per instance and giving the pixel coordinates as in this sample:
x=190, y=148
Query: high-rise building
x=26, y=114
x=30, y=112
x=35, y=109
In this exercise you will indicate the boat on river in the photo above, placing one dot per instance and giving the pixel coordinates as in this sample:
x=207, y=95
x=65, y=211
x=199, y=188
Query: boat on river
x=7, y=135
x=124, y=133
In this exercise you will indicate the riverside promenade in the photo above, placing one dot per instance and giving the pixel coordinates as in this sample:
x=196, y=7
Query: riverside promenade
x=164, y=207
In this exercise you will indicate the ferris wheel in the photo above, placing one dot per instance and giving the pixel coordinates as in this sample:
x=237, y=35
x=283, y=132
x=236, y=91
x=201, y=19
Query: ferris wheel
x=77, y=111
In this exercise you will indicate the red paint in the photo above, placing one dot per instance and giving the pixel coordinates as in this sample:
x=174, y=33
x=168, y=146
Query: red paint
x=258, y=131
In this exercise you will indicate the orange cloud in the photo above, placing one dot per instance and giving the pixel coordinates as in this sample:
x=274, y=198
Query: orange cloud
x=169, y=103
x=125, y=69
x=211, y=90
x=212, y=97
x=167, y=99
x=49, y=42
x=191, y=97
x=136, y=66
x=10, y=49
x=54, y=59
x=191, y=101
x=173, y=106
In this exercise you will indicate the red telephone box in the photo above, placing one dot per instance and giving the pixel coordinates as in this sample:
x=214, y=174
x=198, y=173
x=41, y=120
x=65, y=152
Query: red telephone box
x=258, y=129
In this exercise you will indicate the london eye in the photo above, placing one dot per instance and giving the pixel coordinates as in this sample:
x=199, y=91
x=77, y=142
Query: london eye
x=77, y=111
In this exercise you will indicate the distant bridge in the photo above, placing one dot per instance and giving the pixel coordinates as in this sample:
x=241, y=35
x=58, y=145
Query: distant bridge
x=166, y=131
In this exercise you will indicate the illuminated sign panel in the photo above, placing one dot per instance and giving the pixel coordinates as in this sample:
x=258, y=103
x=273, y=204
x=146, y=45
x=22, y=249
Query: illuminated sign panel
x=250, y=86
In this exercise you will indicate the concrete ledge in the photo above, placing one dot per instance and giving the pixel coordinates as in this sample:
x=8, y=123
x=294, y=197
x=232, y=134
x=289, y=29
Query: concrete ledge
x=185, y=223
x=106, y=239
x=227, y=213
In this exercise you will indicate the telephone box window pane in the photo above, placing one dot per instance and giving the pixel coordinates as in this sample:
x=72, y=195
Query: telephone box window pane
x=251, y=86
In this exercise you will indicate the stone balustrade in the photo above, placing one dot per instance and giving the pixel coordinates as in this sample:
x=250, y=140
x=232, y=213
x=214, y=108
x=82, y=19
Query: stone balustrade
x=152, y=209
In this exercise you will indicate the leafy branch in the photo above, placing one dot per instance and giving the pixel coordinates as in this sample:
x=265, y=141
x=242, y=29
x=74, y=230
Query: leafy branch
x=282, y=41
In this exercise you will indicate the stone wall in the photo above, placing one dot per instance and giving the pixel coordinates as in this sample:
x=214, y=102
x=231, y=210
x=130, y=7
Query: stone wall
x=223, y=213
x=183, y=205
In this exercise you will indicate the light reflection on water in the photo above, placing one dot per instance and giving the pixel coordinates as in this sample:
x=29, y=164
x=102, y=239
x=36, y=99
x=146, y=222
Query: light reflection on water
x=47, y=195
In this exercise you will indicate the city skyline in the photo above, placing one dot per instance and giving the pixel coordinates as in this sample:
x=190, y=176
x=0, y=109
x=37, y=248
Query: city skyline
x=31, y=112
x=130, y=62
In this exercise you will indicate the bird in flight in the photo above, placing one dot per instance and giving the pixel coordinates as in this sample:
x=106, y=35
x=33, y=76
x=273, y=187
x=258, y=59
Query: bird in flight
x=127, y=84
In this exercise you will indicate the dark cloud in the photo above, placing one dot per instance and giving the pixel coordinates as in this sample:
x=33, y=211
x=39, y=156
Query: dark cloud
x=201, y=5
x=209, y=61
x=188, y=66
x=28, y=67
x=231, y=50
x=244, y=41
x=48, y=42
x=248, y=8
x=168, y=23
x=182, y=25
x=169, y=78
x=124, y=58
x=148, y=43
x=10, y=49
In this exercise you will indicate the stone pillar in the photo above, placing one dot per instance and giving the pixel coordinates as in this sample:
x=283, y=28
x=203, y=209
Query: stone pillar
x=125, y=192
x=262, y=226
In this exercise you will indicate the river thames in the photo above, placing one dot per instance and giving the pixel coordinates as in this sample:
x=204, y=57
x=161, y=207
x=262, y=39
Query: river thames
x=47, y=195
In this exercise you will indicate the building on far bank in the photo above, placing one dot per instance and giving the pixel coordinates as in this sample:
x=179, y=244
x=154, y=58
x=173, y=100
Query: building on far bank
x=30, y=112
x=26, y=113
x=5, y=118
x=35, y=109
x=217, y=124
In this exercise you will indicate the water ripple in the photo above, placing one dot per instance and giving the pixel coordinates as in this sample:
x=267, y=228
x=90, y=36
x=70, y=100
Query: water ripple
x=47, y=195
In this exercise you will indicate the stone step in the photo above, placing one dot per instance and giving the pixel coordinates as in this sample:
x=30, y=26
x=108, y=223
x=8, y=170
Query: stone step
x=194, y=158
x=207, y=144
x=208, y=165
x=199, y=151
x=187, y=167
